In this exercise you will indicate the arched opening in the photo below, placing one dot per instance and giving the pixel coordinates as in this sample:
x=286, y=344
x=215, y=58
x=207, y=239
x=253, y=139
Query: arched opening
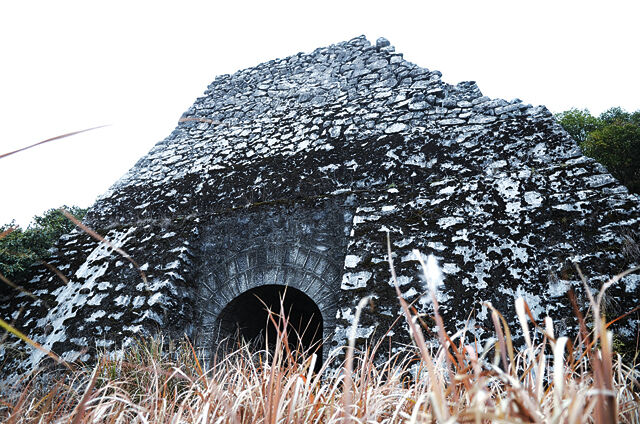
x=247, y=317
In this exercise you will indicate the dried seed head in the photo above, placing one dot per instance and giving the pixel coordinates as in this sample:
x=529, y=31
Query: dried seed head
x=433, y=273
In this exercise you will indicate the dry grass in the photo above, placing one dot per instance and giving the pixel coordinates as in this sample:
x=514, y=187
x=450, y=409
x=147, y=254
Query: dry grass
x=549, y=380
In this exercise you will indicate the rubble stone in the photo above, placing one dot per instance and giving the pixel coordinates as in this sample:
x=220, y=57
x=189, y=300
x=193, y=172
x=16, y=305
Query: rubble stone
x=294, y=172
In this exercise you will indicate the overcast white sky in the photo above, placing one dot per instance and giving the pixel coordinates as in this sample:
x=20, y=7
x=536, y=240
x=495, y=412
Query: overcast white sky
x=66, y=66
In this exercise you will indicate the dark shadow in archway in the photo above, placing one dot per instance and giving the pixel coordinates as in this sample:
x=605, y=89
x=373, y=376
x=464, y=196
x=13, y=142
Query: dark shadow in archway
x=247, y=317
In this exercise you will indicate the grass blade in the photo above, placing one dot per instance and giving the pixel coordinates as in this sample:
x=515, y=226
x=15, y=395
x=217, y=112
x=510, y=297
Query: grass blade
x=4, y=155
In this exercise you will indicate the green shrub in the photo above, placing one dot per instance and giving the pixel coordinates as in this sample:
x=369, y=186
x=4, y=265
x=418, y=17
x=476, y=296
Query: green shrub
x=21, y=248
x=613, y=139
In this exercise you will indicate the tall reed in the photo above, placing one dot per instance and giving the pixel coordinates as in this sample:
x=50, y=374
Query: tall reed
x=549, y=379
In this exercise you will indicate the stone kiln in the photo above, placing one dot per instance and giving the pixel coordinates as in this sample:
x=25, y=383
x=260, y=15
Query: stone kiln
x=293, y=172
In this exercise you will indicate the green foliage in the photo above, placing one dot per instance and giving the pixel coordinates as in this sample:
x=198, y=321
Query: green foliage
x=23, y=247
x=613, y=139
x=616, y=114
x=578, y=123
x=617, y=146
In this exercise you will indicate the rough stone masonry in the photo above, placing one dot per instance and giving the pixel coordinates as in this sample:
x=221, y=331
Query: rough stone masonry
x=292, y=173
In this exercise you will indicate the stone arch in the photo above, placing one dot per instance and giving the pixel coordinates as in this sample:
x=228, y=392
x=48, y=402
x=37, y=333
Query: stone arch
x=301, y=267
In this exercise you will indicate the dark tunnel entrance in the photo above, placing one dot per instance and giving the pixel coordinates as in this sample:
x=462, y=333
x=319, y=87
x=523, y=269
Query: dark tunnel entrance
x=247, y=315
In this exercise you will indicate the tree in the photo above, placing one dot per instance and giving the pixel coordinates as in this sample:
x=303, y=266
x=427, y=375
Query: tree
x=616, y=114
x=617, y=147
x=21, y=248
x=613, y=139
x=578, y=123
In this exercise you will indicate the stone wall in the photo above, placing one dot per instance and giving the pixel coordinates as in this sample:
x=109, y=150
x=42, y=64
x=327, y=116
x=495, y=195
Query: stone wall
x=334, y=150
x=300, y=246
